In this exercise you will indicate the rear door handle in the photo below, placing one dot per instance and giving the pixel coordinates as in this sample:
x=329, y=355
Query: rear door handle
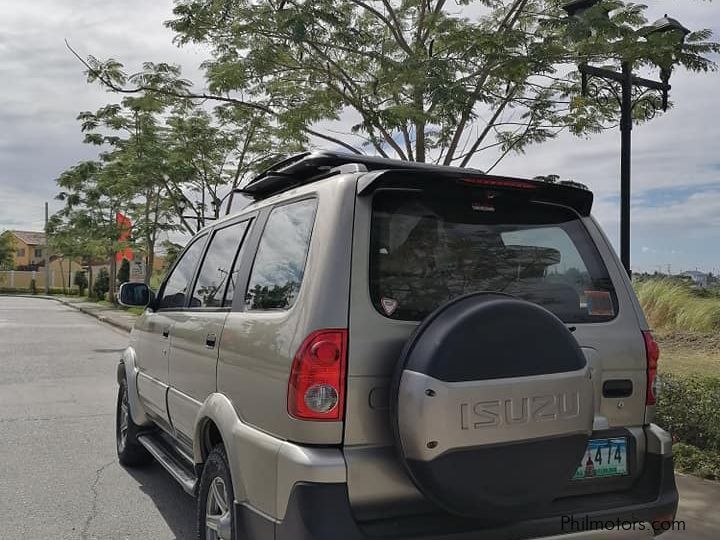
x=617, y=388
x=166, y=332
x=210, y=341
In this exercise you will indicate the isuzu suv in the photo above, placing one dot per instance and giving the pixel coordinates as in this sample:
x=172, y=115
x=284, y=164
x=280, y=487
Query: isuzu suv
x=382, y=349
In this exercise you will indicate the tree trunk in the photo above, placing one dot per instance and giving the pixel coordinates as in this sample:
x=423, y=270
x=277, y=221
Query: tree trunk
x=113, y=278
x=90, y=279
x=149, y=262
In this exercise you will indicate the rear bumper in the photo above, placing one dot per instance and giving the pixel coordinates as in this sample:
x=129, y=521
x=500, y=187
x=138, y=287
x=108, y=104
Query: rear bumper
x=322, y=512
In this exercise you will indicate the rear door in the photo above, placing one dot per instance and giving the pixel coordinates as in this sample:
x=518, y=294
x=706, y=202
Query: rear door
x=416, y=250
x=155, y=332
x=198, y=329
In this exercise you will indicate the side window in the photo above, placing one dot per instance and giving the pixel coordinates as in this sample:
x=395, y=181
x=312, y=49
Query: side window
x=178, y=282
x=217, y=273
x=280, y=261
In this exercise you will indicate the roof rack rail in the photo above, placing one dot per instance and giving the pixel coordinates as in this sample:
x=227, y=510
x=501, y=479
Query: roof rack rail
x=310, y=166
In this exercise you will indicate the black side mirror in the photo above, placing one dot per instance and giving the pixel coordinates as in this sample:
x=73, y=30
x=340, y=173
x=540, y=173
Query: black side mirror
x=135, y=295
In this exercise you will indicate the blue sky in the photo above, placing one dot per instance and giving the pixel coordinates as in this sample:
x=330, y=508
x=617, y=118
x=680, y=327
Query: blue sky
x=676, y=157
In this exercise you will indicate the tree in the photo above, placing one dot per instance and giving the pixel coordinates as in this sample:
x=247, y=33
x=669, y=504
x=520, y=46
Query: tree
x=93, y=193
x=421, y=80
x=137, y=161
x=7, y=250
x=172, y=251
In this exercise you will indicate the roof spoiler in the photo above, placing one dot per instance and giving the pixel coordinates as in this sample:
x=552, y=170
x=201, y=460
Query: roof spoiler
x=309, y=167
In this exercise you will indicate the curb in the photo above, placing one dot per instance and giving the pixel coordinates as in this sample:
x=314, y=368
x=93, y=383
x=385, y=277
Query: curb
x=93, y=313
x=117, y=324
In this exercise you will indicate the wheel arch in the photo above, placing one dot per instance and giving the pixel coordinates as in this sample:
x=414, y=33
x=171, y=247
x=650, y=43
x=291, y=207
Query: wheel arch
x=217, y=422
x=128, y=371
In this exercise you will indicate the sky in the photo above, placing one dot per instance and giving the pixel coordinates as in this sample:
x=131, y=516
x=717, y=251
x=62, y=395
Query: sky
x=676, y=157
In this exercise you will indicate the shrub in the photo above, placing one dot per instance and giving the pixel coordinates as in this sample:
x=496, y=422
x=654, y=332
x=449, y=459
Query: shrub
x=81, y=282
x=123, y=275
x=703, y=463
x=102, y=284
x=688, y=408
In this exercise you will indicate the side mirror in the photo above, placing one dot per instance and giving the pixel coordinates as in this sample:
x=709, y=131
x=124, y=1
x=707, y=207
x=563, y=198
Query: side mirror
x=135, y=295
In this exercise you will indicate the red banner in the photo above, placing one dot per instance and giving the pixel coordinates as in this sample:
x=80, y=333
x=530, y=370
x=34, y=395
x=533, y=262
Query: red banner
x=125, y=227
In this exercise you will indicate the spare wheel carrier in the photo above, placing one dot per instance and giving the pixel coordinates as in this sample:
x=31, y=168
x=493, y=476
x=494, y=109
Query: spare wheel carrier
x=492, y=406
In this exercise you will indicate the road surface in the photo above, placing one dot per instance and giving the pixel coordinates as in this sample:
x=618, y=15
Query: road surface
x=59, y=476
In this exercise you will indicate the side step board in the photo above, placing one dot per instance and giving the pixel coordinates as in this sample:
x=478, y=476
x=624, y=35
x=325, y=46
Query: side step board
x=178, y=465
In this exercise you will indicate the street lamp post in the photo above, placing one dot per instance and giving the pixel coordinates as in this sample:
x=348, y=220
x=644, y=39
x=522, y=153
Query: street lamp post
x=630, y=91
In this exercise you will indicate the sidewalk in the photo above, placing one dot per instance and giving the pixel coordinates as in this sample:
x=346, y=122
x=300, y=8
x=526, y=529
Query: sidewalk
x=699, y=500
x=114, y=316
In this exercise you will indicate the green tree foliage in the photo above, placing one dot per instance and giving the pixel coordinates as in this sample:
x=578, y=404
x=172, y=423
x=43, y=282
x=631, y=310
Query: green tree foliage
x=81, y=282
x=123, y=275
x=172, y=251
x=102, y=284
x=7, y=250
x=422, y=79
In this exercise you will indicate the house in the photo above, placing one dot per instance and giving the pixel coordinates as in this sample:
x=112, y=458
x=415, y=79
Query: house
x=29, y=248
x=29, y=263
x=698, y=278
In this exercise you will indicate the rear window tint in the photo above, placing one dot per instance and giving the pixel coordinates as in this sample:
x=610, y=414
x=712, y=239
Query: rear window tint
x=428, y=249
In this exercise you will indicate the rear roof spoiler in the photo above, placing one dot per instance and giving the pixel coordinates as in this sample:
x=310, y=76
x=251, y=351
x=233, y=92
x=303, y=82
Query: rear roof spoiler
x=570, y=194
x=309, y=167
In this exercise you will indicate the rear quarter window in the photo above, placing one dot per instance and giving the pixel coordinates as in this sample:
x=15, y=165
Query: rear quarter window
x=428, y=249
x=279, y=264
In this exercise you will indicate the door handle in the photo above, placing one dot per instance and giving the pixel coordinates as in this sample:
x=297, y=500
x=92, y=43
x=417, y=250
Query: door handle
x=617, y=388
x=210, y=341
x=166, y=331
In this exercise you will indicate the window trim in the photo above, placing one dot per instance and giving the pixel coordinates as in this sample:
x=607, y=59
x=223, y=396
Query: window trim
x=268, y=210
x=202, y=237
x=248, y=220
x=581, y=220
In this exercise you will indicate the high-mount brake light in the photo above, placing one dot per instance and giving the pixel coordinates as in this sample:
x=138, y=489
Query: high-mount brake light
x=316, y=390
x=498, y=182
x=652, y=351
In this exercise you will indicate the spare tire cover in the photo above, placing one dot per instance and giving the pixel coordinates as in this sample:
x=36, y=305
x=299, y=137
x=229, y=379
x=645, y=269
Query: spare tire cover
x=492, y=406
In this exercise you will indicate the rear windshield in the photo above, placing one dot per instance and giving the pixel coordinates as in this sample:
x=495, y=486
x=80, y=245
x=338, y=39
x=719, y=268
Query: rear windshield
x=427, y=249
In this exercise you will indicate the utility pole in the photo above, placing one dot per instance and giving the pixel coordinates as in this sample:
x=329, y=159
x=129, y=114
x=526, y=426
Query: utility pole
x=47, y=253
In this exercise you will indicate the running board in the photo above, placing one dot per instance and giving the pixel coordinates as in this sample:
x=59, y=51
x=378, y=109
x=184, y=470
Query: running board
x=171, y=460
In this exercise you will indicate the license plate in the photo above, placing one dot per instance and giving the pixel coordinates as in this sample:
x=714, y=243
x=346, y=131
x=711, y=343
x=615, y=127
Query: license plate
x=603, y=458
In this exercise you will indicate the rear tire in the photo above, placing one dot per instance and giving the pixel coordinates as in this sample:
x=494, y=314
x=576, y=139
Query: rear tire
x=215, y=516
x=130, y=452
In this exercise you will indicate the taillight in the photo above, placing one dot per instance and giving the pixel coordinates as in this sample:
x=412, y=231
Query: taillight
x=498, y=182
x=316, y=390
x=652, y=352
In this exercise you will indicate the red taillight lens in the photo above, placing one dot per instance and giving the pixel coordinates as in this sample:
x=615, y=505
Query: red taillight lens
x=653, y=355
x=498, y=182
x=317, y=380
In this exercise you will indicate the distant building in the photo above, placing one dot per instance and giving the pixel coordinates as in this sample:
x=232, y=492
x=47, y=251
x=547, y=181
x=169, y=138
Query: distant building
x=29, y=248
x=698, y=278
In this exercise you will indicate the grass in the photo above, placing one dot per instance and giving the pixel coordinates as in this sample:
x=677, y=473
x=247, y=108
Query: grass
x=686, y=323
x=689, y=353
x=674, y=306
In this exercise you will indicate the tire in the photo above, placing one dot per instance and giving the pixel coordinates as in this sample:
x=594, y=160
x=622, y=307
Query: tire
x=491, y=407
x=130, y=452
x=216, y=497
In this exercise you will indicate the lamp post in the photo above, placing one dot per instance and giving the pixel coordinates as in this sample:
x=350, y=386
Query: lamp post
x=630, y=92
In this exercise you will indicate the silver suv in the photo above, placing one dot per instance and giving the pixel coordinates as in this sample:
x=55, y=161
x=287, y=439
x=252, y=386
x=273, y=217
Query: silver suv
x=382, y=349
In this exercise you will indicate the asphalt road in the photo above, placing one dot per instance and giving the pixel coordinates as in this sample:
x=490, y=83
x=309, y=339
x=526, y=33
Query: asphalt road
x=59, y=475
